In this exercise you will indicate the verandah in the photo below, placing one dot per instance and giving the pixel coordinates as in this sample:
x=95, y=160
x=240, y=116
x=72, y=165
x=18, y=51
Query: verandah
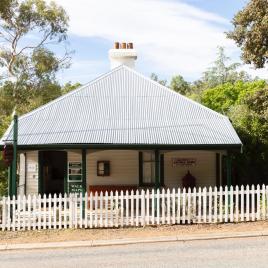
x=140, y=208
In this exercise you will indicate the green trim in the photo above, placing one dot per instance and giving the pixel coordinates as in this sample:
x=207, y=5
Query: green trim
x=66, y=173
x=162, y=170
x=140, y=168
x=84, y=170
x=40, y=172
x=131, y=146
x=157, y=169
x=14, y=162
x=218, y=169
x=10, y=180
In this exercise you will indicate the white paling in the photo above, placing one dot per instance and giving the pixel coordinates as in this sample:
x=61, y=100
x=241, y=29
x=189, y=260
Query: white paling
x=106, y=209
x=163, y=197
x=139, y=208
x=158, y=207
x=226, y=208
x=231, y=204
x=210, y=204
x=132, y=208
x=29, y=208
x=147, y=207
x=220, y=205
x=173, y=206
x=153, y=206
x=168, y=206
x=189, y=202
x=242, y=203
x=194, y=206
x=127, y=208
x=142, y=208
x=55, y=211
x=253, y=203
x=215, y=209
x=205, y=205
x=247, y=203
x=183, y=205
x=101, y=209
x=236, y=204
x=14, y=214
x=199, y=205
x=122, y=209
x=258, y=216
x=263, y=199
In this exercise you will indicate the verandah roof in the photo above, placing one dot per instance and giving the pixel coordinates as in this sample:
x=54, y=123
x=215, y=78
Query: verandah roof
x=124, y=107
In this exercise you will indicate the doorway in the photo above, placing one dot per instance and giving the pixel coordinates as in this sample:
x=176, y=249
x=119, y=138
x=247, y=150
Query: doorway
x=53, y=171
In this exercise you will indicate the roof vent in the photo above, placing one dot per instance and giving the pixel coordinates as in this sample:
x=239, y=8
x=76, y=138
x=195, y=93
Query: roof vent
x=123, y=53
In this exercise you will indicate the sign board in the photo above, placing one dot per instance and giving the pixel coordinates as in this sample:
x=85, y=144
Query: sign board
x=75, y=177
x=31, y=167
x=183, y=161
x=75, y=187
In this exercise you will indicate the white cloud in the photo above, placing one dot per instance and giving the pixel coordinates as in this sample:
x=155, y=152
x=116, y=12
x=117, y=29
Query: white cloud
x=83, y=71
x=171, y=37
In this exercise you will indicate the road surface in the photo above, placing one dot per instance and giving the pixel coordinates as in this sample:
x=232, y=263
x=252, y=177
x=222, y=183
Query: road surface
x=239, y=252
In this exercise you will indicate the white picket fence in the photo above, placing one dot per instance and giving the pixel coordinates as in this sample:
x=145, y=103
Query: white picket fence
x=138, y=208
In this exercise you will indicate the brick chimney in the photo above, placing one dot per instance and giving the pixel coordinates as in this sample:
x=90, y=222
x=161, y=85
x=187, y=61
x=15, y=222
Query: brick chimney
x=122, y=53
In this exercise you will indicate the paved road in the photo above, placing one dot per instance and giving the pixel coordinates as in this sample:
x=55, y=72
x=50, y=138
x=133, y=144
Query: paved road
x=243, y=252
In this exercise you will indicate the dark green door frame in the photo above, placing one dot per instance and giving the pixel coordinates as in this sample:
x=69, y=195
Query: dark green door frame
x=40, y=171
x=84, y=170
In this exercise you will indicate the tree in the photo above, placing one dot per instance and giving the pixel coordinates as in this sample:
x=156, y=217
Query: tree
x=179, y=85
x=154, y=77
x=222, y=97
x=246, y=104
x=68, y=87
x=251, y=32
x=20, y=19
x=28, y=65
x=221, y=72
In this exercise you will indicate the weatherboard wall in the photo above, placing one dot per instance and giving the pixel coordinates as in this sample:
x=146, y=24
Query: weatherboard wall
x=124, y=167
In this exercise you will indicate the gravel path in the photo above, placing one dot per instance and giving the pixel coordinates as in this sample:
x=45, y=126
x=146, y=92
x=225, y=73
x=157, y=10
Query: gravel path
x=102, y=234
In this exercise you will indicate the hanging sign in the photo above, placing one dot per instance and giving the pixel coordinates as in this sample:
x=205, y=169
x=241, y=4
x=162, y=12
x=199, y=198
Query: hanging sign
x=75, y=177
x=183, y=161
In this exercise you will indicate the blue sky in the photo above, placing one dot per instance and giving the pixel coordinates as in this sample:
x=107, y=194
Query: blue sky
x=171, y=36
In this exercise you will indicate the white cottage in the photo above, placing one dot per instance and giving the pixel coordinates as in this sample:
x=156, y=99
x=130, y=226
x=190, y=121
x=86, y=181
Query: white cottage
x=122, y=131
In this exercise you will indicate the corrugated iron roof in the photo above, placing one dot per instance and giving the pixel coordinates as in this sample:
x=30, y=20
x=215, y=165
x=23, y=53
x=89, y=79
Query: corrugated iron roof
x=124, y=107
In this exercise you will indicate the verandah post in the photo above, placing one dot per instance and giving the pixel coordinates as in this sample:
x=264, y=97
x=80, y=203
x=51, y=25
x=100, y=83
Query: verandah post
x=14, y=162
x=84, y=178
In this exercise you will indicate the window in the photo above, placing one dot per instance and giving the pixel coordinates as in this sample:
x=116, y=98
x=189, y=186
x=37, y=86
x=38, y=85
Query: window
x=148, y=168
x=103, y=168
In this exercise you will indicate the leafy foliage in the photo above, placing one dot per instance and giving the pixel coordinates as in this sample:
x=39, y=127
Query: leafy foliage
x=179, y=85
x=251, y=32
x=155, y=78
x=222, y=97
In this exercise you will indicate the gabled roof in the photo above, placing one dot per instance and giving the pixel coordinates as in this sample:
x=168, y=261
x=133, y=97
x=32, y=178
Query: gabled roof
x=124, y=107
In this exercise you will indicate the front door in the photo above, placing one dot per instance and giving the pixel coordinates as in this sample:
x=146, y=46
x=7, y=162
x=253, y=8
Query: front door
x=53, y=171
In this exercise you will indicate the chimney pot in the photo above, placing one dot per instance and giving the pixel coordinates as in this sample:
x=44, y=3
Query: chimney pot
x=130, y=45
x=122, y=53
x=116, y=45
